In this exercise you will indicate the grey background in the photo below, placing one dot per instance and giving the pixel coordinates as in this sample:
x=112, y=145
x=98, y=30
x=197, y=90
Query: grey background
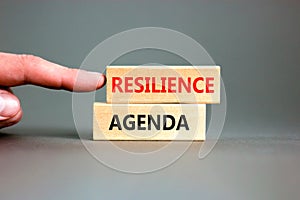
x=257, y=43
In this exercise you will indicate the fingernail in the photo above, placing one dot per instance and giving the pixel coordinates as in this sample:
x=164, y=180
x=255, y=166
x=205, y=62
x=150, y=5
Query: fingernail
x=9, y=106
x=2, y=104
x=97, y=77
x=101, y=81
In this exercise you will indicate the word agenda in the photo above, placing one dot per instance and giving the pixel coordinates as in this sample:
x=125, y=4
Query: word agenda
x=146, y=122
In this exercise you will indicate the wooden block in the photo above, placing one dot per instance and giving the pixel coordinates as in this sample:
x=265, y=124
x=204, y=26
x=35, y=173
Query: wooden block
x=163, y=84
x=149, y=121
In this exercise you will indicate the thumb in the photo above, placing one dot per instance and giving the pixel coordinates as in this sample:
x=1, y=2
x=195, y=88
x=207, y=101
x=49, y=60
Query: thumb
x=9, y=105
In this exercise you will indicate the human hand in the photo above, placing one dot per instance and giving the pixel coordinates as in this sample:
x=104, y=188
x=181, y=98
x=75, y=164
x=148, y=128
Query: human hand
x=18, y=70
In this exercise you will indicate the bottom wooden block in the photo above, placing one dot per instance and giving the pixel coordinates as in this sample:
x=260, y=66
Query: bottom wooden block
x=149, y=121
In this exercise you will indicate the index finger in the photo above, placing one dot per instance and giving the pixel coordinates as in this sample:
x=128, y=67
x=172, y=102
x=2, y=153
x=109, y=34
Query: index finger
x=28, y=69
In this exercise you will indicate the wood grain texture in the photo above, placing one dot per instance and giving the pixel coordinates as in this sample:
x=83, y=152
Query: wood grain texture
x=158, y=73
x=193, y=129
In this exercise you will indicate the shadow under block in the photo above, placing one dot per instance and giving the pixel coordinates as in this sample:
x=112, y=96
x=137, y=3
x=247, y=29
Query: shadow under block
x=163, y=84
x=149, y=121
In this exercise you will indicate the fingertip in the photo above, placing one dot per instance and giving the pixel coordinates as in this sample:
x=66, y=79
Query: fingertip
x=9, y=106
x=12, y=120
x=102, y=81
x=86, y=81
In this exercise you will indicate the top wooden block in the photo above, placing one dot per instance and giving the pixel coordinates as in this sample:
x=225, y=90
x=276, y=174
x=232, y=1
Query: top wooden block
x=163, y=84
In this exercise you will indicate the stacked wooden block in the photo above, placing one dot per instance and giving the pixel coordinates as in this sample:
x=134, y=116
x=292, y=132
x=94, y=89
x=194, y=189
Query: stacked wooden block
x=156, y=102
